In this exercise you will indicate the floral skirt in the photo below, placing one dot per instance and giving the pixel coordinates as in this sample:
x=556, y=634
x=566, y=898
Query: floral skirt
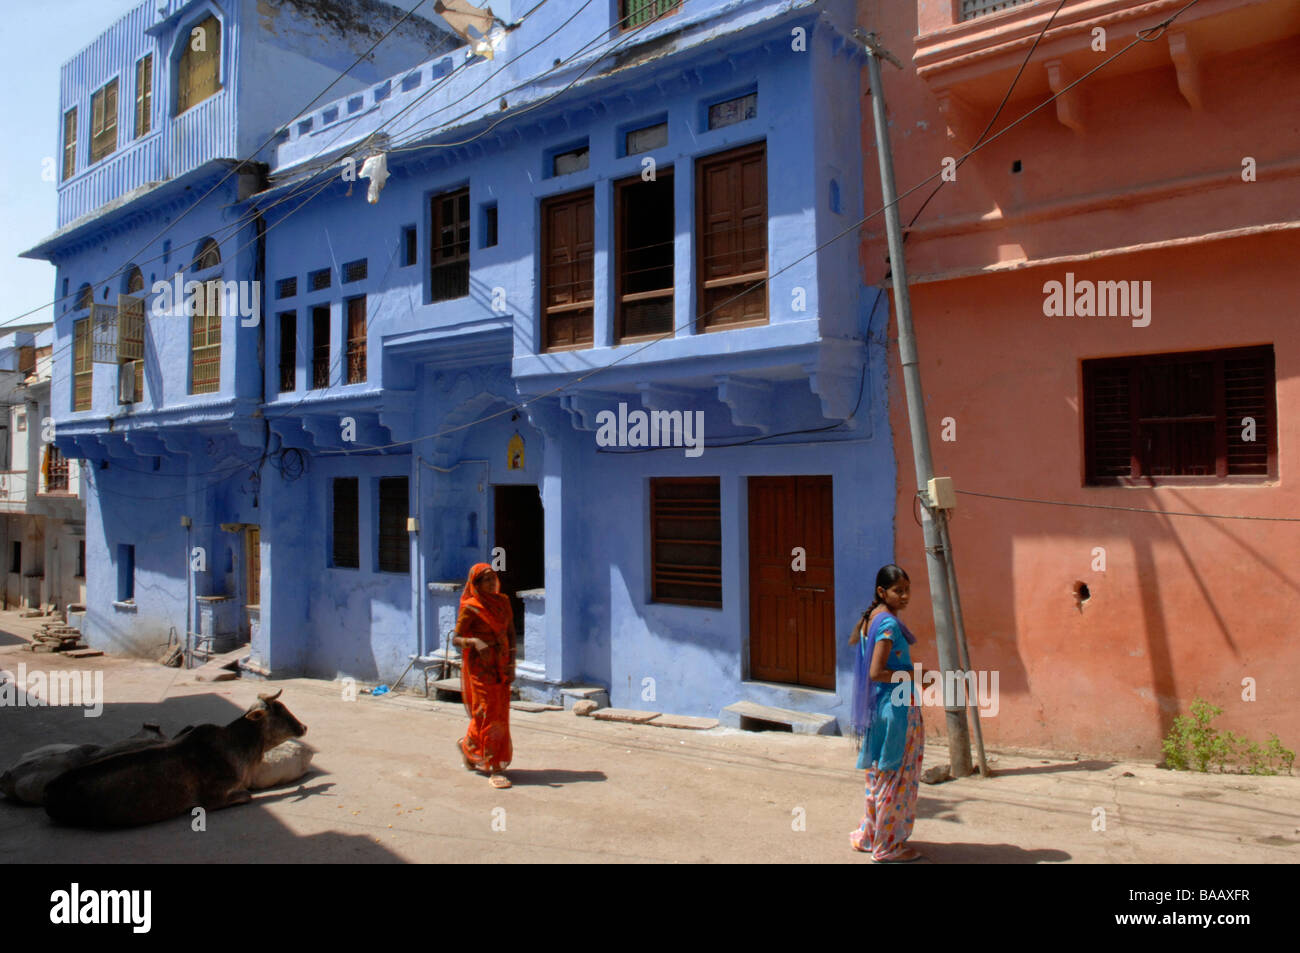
x=891, y=798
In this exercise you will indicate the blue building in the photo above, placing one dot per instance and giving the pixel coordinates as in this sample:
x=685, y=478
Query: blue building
x=579, y=297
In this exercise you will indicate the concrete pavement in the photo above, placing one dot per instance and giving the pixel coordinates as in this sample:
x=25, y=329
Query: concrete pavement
x=387, y=786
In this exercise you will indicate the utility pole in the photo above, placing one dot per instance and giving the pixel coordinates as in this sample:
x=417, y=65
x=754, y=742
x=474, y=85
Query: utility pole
x=931, y=518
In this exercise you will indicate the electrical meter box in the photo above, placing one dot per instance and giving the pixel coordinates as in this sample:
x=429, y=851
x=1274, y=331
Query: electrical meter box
x=943, y=495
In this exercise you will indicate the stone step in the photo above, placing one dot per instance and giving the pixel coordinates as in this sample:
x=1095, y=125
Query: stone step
x=576, y=693
x=445, y=686
x=742, y=715
x=84, y=653
x=689, y=722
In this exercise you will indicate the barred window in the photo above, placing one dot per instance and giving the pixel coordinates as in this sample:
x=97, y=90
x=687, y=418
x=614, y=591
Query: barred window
x=1190, y=417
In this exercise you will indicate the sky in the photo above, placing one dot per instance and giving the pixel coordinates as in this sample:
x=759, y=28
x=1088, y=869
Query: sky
x=37, y=39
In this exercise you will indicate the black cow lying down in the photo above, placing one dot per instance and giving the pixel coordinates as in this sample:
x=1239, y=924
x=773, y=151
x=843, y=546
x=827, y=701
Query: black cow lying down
x=208, y=766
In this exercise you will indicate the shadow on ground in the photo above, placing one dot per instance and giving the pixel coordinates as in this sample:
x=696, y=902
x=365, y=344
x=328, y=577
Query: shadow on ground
x=247, y=833
x=553, y=777
x=987, y=853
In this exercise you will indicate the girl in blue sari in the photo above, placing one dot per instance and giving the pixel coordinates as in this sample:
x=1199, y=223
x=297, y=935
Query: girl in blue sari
x=886, y=721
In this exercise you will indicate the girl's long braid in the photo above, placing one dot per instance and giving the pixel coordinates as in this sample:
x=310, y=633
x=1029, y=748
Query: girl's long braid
x=861, y=627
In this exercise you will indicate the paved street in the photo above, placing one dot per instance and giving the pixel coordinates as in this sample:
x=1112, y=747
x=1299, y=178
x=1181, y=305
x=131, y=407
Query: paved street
x=387, y=786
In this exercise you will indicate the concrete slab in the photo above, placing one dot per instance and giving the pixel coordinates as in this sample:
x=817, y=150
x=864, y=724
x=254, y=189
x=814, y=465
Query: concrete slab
x=800, y=722
x=690, y=722
x=628, y=715
x=534, y=707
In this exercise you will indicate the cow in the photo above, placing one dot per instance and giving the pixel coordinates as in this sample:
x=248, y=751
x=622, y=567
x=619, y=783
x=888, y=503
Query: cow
x=26, y=781
x=208, y=766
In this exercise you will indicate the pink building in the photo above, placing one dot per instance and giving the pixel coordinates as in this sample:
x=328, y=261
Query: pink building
x=1106, y=302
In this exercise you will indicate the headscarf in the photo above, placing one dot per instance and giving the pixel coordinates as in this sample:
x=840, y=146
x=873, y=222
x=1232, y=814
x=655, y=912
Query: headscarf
x=866, y=692
x=492, y=608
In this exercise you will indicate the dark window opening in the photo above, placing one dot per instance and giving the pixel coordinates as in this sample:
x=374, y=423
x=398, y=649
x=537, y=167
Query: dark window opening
x=394, y=541
x=1191, y=417
x=346, y=543
x=567, y=251
x=16, y=556
x=125, y=572
x=319, y=280
x=288, y=351
x=410, y=246
x=286, y=287
x=320, y=346
x=355, y=271
x=449, y=251
x=644, y=254
x=81, y=559
x=490, y=225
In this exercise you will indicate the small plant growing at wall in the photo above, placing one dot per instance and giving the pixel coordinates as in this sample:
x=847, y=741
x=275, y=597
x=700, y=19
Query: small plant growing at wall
x=1194, y=745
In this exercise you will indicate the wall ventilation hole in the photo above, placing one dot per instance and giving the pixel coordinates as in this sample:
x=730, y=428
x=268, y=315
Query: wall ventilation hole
x=1016, y=166
x=1081, y=595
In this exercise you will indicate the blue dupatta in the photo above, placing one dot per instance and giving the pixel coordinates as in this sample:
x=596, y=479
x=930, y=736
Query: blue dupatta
x=866, y=693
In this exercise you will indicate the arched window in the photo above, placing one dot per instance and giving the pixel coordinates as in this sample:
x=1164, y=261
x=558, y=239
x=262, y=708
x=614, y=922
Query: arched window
x=198, y=72
x=134, y=281
x=85, y=297
x=207, y=256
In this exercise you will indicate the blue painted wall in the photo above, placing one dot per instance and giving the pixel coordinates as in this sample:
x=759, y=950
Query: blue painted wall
x=442, y=379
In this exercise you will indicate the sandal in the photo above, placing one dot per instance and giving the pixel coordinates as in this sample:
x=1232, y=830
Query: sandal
x=499, y=781
x=916, y=855
x=469, y=765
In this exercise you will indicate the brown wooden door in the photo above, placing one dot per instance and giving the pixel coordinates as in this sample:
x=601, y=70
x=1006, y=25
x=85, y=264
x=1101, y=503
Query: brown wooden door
x=791, y=611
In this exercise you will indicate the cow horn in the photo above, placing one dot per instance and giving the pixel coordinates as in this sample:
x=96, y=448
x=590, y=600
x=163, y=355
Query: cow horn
x=271, y=698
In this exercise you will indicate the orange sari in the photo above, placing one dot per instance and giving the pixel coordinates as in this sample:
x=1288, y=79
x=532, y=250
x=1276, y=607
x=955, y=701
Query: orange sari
x=485, y=676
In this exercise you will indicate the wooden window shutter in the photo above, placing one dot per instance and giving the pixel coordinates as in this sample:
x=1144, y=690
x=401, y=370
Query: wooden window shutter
x=568, y=247
x=1107, y=404
x=143, y=95
x=346, y=532
x=686, y=540
x=732, y=231
x=199, y=71
x=69, y=142
x=394, y=541
x=1249, y=385
x=82, y=366
x=103, y=121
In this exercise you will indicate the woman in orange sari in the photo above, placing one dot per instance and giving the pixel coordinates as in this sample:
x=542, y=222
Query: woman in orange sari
x=485, y=635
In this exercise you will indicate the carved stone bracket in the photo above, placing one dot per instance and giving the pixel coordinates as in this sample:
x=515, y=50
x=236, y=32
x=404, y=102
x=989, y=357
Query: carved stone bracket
x=750, y=401
x=1069, y=106
x=1186, y=66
